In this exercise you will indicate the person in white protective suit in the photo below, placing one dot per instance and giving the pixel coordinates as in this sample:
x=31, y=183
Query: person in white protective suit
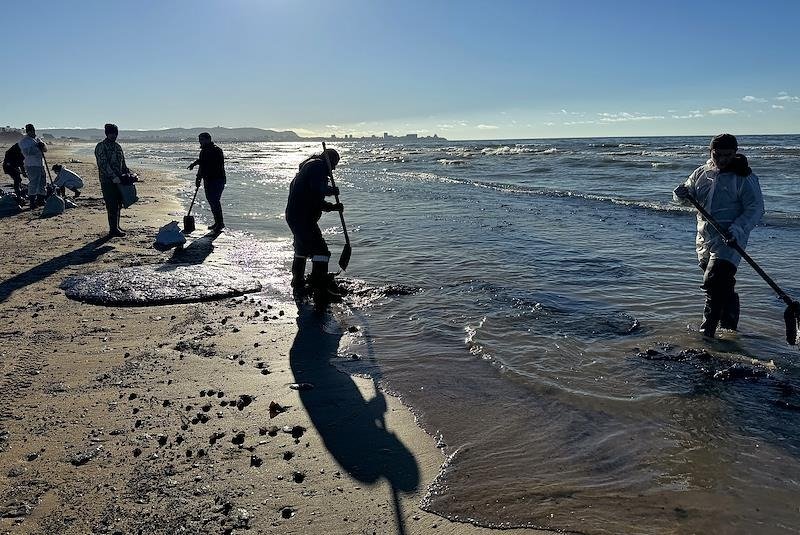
x=729, y=190
x=66, y=179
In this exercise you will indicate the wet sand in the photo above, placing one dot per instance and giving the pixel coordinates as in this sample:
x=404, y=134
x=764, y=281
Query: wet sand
x=212, y=417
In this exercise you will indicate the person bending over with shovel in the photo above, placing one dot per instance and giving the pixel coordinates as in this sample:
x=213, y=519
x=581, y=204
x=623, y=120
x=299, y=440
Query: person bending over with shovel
x=304, y=208
x=729, y=191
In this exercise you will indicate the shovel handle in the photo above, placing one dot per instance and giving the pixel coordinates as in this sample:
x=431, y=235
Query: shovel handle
x=703, y=212
x=48, y=169
x=333, y=183
x=193, y=198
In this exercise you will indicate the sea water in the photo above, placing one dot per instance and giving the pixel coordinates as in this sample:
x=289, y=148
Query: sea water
x=541, y=273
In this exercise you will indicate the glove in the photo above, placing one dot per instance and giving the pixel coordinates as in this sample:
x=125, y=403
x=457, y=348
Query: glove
x=191, y=166
x=734, y=235
x=338, y=207
x=40, y=145
x=197, y=182
x=681, y=191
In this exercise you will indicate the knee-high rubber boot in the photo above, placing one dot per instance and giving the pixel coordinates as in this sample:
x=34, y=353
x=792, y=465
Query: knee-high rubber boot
x=298, y=273
x=711, y=315
x=730, y=314
x=319, y=274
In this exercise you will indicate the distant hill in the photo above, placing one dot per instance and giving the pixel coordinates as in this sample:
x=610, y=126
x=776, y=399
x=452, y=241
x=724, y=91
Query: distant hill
x=218, y=133
x=9, y=136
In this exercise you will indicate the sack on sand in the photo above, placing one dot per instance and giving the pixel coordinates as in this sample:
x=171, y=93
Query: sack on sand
x=128, y=192
x=170, y=235
x=9, y=205
x=53, y=206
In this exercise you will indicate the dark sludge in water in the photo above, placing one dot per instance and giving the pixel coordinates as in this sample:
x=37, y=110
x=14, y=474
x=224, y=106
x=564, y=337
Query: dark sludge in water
x=723, y=367
x=159, y=285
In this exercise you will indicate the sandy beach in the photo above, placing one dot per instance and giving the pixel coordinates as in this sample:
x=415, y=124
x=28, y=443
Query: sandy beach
x=185, y=418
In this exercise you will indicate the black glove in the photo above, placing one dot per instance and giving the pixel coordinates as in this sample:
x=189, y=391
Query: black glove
x=40, y=145
x=338, y=207
x=681, y=192
x=197, y=182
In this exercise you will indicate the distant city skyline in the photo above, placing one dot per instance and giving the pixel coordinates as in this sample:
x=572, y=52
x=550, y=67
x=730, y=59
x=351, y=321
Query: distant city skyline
x=471, y=70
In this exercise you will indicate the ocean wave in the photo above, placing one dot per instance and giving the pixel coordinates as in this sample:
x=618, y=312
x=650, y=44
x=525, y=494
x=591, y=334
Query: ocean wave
x=639, y=164
x=505, y=150
x=665, y=165
x=446, y=161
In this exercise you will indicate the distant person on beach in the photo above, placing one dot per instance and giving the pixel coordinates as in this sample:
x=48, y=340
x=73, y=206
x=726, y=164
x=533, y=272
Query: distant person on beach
x=66, y=179
x=211, y=172
x=729, y=190
x=304, y=208
x=111, y=166
x=14, y=166
x=33, y=149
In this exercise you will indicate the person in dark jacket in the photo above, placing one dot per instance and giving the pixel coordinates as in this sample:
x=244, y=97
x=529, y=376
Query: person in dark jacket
x=211, y=172
x=111, y=167
x=14, y=166
x=304, y=208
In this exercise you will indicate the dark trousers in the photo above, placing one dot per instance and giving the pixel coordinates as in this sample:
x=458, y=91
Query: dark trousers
x=213, y=190
x=113, y=199
x=16, y=176
x=722, y=302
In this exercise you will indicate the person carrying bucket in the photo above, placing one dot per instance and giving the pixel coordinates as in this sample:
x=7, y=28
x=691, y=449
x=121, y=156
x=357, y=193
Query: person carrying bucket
x=729, y=191
x=211, y=172
x=304, y=208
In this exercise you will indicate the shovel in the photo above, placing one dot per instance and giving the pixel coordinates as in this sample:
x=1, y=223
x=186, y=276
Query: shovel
x=188, y=219
x=791, y=316
x=344, y=259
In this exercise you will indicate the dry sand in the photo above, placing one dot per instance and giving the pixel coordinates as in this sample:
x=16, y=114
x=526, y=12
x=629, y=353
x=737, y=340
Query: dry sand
x=157, y=419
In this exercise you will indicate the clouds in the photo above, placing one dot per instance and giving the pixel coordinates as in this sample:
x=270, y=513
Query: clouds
x=487, y=127
x=783, y=97
x=623, y=117
x=694, y=114
x=722, y=111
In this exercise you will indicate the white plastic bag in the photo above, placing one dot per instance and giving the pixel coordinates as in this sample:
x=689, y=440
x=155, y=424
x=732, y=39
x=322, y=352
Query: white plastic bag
x=170, y=235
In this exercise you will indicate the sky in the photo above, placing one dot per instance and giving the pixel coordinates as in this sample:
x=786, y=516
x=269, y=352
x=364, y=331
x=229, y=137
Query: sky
x=466, y=69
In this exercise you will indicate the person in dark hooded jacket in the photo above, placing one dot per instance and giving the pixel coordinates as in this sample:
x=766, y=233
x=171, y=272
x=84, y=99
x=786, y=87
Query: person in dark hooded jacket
x=304, y=208
x=729, y=190
x=14, y=166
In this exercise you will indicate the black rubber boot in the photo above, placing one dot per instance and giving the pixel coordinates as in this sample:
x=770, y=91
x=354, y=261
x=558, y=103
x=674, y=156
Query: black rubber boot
x=730, y=314
x=711, y=315
x=325, y=290
x=298, y=274
x=718, y=282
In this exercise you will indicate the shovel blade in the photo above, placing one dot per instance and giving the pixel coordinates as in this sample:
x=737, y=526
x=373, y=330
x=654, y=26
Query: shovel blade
x=344, y=260
x=188, y=224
